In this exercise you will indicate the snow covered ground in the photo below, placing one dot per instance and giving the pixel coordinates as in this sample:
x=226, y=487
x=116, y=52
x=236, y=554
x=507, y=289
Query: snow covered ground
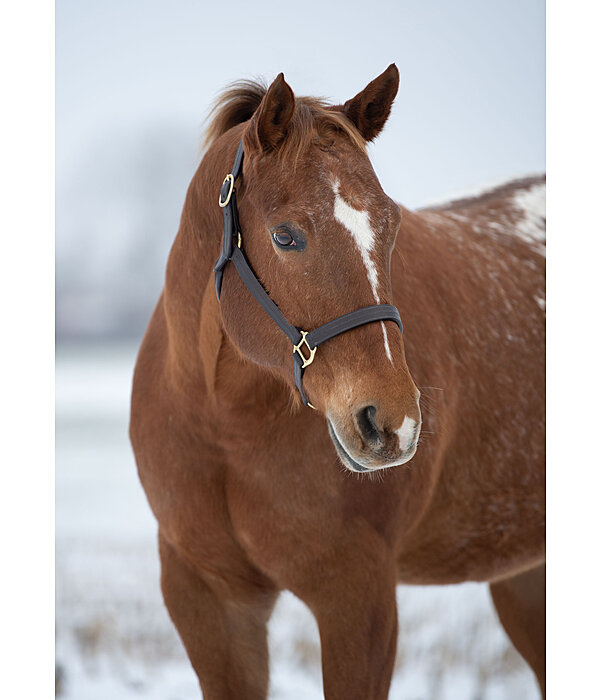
x=113, y=636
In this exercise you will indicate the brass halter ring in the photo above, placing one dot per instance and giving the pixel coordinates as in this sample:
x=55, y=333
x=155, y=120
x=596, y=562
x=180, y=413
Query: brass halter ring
x=311, y=351
x=228, y=178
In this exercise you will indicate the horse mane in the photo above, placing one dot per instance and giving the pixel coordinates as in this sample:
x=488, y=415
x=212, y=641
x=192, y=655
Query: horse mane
x=314, y=119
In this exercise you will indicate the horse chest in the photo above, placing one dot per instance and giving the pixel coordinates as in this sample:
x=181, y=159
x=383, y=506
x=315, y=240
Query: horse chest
x=291, y=518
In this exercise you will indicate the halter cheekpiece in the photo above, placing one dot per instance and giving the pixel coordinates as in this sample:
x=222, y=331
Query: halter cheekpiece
x=304, y=343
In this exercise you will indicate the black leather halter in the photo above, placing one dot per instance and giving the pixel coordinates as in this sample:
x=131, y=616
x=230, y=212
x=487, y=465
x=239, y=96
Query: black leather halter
x=304, y=343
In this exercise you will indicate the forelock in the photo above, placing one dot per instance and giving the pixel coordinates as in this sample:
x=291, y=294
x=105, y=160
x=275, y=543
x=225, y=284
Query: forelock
x=314, y=121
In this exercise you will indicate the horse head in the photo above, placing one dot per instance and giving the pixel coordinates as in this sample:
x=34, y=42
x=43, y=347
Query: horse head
x=318, y=231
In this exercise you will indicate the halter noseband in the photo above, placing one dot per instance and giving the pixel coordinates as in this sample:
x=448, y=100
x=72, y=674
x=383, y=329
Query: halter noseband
x=304, y=343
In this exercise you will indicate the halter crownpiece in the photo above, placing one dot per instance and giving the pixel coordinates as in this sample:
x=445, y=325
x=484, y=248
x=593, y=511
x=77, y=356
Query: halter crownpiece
x=304, y=343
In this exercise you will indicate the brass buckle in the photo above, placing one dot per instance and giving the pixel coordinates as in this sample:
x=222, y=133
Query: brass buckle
x=311, y=351
x=228, y=178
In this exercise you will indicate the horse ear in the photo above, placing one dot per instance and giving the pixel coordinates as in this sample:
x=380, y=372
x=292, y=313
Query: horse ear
x=369, y=110
x=270, y=121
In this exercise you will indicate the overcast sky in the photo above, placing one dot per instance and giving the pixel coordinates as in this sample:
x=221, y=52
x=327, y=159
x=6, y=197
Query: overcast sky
x=470, y=109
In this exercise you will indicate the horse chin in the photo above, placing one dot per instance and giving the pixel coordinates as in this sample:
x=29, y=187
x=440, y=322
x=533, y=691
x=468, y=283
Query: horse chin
x=351, y=464
x=345, y=458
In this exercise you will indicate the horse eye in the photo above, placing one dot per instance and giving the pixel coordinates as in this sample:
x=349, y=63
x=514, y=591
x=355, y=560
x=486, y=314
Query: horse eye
x=283, y=239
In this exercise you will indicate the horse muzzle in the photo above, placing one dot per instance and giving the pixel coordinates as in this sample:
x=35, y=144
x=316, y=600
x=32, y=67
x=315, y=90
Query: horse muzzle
x=373, y=440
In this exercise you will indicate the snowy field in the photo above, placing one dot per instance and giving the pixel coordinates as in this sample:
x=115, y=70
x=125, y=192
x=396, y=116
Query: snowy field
x=113, y=635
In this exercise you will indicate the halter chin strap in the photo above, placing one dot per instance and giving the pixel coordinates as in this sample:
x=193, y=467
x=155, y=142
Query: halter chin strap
x=304, y=343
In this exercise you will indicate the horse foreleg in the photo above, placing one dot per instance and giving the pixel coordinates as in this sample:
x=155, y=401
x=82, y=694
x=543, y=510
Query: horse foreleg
x=224, y=632
x=358, y=627
x=521, y=605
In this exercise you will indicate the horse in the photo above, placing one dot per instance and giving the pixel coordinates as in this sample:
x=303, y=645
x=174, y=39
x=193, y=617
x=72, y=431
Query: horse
x=417, y=457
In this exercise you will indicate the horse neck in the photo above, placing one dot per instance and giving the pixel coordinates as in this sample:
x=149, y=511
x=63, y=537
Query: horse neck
x=188, y=269
x=196, y=337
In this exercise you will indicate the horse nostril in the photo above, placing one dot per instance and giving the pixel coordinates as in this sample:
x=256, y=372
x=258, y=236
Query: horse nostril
x=367, y=427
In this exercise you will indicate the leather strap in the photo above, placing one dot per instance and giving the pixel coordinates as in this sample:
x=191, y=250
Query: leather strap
x=341, y=324
x=308, y=342
x=259, y=293
x=230, y=218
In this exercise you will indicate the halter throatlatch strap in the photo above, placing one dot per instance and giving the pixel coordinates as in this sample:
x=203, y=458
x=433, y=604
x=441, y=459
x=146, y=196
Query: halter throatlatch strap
x=304, y=343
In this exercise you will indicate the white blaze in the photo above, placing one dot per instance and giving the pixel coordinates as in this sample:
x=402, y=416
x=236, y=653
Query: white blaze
x=359, y=225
